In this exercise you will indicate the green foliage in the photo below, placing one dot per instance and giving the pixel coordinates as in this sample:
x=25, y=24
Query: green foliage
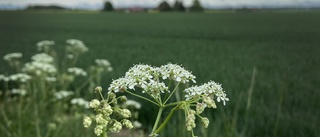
x=107, y=6
x=178, y=6
x=196, y=6
x=224, y=47
x=164, y=6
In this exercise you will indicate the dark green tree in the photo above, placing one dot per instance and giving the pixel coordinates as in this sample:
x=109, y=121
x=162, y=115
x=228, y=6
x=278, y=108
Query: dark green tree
x=108, y=6
x=196, y=6
x=178, y=6
x=164, y=6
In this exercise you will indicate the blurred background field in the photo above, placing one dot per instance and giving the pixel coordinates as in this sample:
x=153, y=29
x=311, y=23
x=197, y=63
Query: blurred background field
x=224, y=47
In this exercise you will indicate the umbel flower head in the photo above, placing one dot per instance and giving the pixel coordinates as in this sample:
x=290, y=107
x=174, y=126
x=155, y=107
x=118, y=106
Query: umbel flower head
x=149, y=78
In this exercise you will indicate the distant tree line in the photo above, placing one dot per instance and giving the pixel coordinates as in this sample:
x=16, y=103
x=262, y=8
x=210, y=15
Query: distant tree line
x=165, y=6
x=41, y=7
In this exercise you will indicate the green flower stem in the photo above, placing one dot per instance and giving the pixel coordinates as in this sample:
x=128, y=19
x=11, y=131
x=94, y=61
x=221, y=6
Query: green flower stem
x=157, y=120
x=102, y=96
x=143, y=98
x=167, y=119
x=174, y=103
x=171, y=93
x=104, y=134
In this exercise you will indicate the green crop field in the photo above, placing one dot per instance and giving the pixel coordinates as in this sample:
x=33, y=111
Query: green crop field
x=224, y=47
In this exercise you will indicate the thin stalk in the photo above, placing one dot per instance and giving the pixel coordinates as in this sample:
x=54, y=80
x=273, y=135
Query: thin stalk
x=5, y=130
x=102, y=96
x=36, y=113
x=250, y=91
x=84, y=84
x=143, y=98
x=166, y=120
x=157, y=120
x=174, y=103
x=20, y=116
x=171, y=93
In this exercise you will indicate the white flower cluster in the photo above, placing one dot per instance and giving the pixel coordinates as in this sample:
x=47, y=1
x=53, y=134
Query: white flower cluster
x=12, y=56
x=133, y=103
x=51, y=79
x=76, y=46
x=42, y=57
x=77, y=71
x=44, y=45
x=21, y=77
x=21, y=92
x=62, y=94
x=80, y=102
x=148, y=78
x=103, y=63
x=177, y=73
x=3, y=78
x=42, y=63
x=204, y=91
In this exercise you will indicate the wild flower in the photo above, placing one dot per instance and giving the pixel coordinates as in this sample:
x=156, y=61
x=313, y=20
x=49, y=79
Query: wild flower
x=76, y=46
x=77, y=71
x=103, y=63
x=206, y=90
x=80, y=102
x=21, y=77
x=47, y=77
x=44, y=45
x=12, y=56
x=4, y=78
x=21, y=92
x=133, y=103
x=42, y=57
x=39, y=68
x=63, y=94
x=51, y=79
x=41, y=63
x=176, y=73
x=152, y=81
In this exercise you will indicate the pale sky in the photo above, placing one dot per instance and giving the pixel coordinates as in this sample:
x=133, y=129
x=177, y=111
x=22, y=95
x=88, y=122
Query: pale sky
x=97, y=4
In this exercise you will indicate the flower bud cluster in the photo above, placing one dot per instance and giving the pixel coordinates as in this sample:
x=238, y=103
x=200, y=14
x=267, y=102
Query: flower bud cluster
x=200, y=107
x=190, y=119
x=116, y=127
x=107, y=116
x=205, y=122
x=127, y=123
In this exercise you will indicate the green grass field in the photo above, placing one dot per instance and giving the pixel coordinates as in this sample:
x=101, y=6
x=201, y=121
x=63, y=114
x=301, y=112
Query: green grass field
x=224, y=47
